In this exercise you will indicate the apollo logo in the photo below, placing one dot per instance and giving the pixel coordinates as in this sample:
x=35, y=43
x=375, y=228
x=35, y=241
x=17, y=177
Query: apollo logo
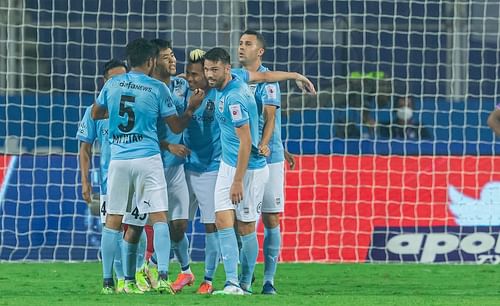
x=446, y=244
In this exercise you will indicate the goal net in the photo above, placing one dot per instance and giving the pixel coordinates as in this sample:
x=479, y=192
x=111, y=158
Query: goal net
x=395, y=162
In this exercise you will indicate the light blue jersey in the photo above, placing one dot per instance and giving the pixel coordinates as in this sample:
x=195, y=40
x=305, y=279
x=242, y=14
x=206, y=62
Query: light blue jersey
x=88, y=131
x=202, y=136
x=135, y=101
x=179, y=88
x=235, y=107
x=267, y=94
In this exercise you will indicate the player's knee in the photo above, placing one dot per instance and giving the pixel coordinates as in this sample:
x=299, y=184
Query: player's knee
x=133, y=234
x=210, y=228
x=114, y=222
x=177, y=229
x=224, y=219
x=245, y=228
x=159, y=216
x=271, y=220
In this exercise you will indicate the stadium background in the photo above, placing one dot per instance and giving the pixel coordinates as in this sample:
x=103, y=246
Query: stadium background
x=354, y=200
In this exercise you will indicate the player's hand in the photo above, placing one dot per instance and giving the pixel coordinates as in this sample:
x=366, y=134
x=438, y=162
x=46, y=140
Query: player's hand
x=264, y=150
x=305, y=85
x=196, y=98
x=236, y=192
x=290, y=159
x=179, y=150
x=87, y=192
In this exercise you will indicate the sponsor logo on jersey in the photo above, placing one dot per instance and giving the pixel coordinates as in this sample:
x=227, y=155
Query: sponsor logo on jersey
x=271, y=91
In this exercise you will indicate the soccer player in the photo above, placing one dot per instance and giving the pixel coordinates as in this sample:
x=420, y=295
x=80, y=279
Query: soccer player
x=134, y=102
x=173, y=156
x=88, y=132
x=202, y=137
x=267, y=95
x=242, y=173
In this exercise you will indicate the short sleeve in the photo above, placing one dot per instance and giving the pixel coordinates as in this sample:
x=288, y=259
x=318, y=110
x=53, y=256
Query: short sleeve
x=166, y=103
x=87, y=128
x=238, y=112
x=242, y=74
x=271, y=94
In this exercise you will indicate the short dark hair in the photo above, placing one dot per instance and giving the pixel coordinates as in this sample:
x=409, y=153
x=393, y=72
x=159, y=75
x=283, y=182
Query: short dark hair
x=140, y=51
x=162, y=44
x=218, y=54
x=260, y=37
x=113, y=63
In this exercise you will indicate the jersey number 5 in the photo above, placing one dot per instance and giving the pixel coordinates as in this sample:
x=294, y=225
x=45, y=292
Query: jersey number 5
x=129, y=111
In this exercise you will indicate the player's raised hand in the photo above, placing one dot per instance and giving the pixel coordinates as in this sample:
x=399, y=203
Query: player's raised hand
x=305, y=85
x=178, y=150
x=196, y=98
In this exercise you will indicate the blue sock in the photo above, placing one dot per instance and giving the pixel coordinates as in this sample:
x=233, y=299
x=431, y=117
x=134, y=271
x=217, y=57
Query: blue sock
x=272, y=245
x=250, y=250
x=141, y=250
x=129, y=251
x=181, y=251
x=109, y=241
x=162, y=247
x=229, y=251
x=212, y=254
x=117, y=264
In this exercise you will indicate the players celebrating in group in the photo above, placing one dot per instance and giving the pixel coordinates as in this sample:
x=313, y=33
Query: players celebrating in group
x=208, y=141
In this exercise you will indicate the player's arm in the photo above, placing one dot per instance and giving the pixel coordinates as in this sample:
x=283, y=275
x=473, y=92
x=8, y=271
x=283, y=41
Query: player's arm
x=99, y=112
x=277, y=76
x=178, y=123
x=269, y=114
x=243, y=133
x=84, y=156
x=179, y=150
x=494, y=121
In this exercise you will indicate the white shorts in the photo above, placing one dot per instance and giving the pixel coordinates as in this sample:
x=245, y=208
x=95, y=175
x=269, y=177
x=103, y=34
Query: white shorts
x=143, y=177
x=178, y=196
x=254, y=182
x=131, y=218
x=201, y=187
x=274, y=199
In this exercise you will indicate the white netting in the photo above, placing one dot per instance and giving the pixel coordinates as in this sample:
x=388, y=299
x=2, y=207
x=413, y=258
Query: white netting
x=366, y=183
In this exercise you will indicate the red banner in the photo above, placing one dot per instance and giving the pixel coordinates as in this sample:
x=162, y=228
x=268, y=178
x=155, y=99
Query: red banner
x=333, y=203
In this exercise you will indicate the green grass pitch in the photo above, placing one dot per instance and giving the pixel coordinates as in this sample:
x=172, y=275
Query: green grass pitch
x=298, y=284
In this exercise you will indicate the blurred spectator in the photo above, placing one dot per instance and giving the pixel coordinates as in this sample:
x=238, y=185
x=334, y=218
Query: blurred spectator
x=356, y=100
x=405, y=125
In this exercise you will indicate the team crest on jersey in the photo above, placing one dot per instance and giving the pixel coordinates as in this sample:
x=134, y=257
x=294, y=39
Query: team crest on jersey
x=210, y=106
x=104, y=132
x=221, y=105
